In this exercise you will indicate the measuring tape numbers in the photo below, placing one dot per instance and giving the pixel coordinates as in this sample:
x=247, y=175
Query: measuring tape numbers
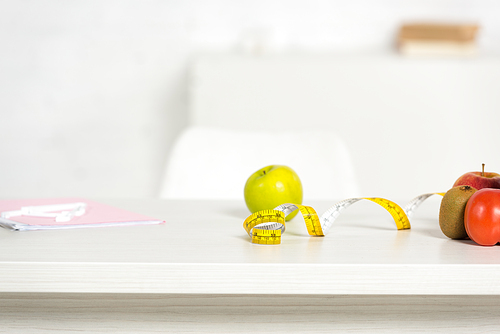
x=266, y=227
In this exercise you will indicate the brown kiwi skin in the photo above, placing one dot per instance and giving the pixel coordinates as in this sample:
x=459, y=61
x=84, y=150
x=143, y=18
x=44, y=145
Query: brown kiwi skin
x=451, y=212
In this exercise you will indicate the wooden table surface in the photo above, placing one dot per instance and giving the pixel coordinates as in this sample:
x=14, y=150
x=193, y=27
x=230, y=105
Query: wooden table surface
x=203, y=248
x=203, y=256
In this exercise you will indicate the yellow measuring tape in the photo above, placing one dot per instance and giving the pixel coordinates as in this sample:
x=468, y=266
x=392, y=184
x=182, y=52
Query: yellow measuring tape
x=266, y=226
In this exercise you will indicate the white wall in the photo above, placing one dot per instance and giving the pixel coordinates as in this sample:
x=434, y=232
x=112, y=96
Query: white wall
x=94, y=92
x=411, y=124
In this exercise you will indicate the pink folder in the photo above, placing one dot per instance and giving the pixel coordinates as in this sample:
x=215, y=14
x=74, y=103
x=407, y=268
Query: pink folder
x=40, y=214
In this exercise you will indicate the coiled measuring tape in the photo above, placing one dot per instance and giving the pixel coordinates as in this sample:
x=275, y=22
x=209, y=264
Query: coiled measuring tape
x=266, y=226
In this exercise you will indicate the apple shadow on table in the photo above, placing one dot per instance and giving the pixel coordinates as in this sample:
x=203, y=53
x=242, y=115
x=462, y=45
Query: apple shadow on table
x=429, y=229
x=438, y=234
x=471, y=243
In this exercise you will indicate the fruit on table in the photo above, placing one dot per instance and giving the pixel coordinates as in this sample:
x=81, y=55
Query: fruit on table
x=452, y=211
x=482, y=217
x=271, y=186
x=479, y=180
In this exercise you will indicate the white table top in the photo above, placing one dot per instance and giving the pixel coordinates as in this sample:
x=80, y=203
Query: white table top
x=203, y=248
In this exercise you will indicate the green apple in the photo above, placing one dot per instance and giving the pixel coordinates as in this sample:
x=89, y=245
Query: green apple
x=271, y=186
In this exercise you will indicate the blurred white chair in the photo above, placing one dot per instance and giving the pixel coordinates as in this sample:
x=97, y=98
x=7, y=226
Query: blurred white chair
x=209, y=163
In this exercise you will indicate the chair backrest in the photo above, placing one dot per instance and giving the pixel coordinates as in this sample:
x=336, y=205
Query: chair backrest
x=211, y=163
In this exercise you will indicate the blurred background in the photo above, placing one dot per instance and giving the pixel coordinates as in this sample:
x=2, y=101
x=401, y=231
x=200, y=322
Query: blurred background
x=94, y=94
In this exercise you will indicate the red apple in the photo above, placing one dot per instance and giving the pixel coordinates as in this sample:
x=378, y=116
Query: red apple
x=479, y=180
x=482, y=217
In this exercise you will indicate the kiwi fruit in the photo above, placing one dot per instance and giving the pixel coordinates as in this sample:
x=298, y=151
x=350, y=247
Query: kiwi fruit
x=451, y=212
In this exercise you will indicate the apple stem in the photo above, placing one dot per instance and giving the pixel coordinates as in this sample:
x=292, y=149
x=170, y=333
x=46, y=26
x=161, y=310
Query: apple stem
x=482, y=173
x=265, y=171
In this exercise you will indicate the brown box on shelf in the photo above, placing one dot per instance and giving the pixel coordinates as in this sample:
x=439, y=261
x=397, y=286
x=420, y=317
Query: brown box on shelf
x=438, y=39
